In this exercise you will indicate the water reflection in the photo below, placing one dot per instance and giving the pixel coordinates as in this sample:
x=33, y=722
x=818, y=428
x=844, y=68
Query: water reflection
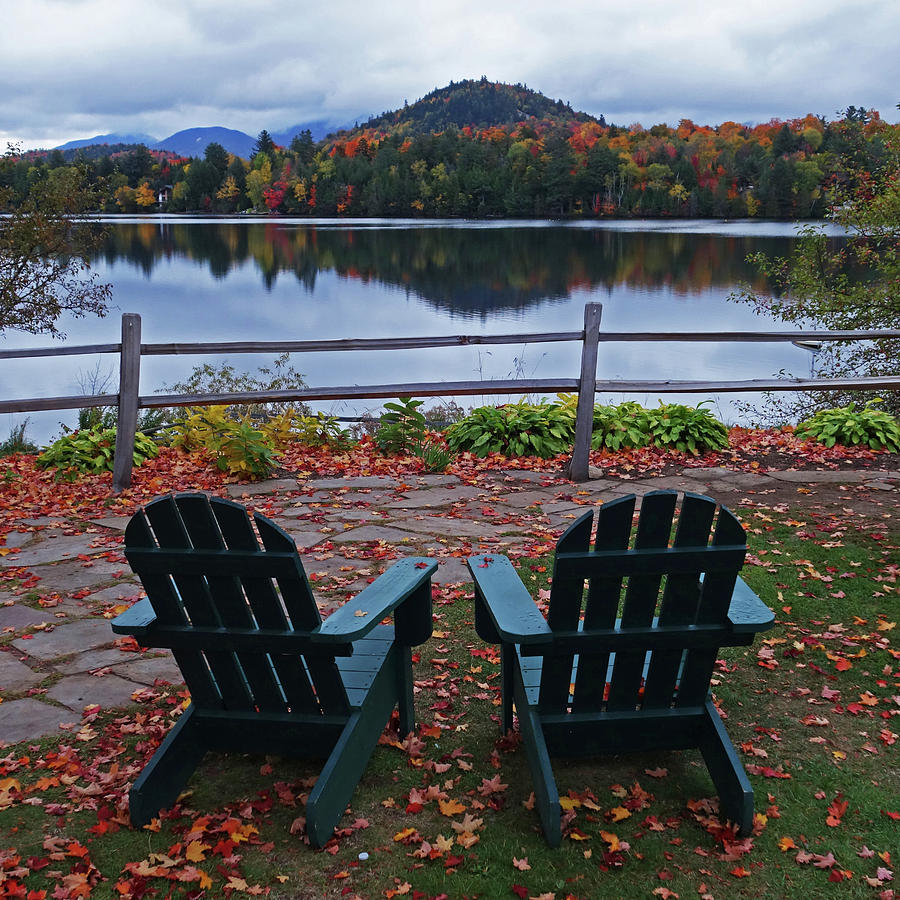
x=466, y=272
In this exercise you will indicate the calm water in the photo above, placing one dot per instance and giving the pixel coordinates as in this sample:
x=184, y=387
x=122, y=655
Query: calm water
x=216, y=280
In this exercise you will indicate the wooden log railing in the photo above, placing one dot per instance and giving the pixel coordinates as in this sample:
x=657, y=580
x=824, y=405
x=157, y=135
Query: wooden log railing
x=129, y=401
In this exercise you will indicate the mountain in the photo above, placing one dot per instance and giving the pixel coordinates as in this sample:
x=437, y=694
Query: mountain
x=477, y=103
x=114, y=138
x=320, y=129
x=193, y=141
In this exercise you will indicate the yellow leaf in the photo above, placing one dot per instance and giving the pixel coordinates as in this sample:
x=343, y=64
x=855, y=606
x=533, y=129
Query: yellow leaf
x=405, y=833
x=619, y=813
x=450, y=808
x=196, y=851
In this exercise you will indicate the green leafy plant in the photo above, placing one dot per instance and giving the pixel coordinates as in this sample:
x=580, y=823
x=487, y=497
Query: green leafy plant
x=402, y=427
x=434, y=456
x=851, y=426
x=690, y=429
x=91, y=450
x=614, y=427
x=236, y=446
x=18, y=442
x=320, y=431
x=224, y=379
x=516, y=429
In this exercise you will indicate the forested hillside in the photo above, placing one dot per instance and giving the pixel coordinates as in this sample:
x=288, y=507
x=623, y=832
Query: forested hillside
x=477, y=148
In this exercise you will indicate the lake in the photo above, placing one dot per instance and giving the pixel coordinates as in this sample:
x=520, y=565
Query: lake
x=197, y=279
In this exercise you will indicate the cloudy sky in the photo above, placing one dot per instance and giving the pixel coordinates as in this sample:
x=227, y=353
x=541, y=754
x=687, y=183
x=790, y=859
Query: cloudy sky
x=76, y=68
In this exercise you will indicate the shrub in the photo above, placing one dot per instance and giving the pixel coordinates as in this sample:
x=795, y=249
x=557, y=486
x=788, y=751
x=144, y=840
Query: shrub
x=614, y=427
x=91, y=450
x=850, y=427
x=320, y=431
x=516, y=429
x=235, y=445
x=18, y=442
x=210, y=379
x=402, y=427
x=690, y=429
x=434, y=456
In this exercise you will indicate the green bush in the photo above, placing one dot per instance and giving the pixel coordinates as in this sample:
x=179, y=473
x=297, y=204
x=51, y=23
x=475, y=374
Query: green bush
x=402, y=427
x=236, y=446
x=434, y=456
x=689, y=429
x=850, y=427
x=91, y=450
x=18, y=441
x=321, y=431
x=516, y=429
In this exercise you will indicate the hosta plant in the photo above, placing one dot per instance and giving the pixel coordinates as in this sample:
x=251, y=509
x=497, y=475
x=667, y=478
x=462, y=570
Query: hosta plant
x=516, y=429
x=91, y=450
x=690, y=429
x=850, y=427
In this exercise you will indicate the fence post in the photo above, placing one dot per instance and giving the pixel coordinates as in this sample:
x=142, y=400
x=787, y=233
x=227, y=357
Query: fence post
x=129, y=378
x=584, y=417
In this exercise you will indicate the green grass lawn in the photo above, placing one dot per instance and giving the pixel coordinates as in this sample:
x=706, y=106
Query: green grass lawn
x=813, y=707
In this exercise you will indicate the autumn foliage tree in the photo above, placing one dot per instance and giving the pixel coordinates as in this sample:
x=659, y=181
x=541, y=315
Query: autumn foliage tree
x=45, y=246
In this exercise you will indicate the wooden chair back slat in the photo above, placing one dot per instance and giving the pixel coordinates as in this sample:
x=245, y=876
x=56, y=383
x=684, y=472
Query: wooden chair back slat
x=193, y=590
x=304, y=614
x=565, y=610
x=696, y=588
x=266, y=606
x=680, y=601
x=169, y=609
x=641, y=594
x=234, y=595
x=716, y=594
x=201, y=521
x=601, y=606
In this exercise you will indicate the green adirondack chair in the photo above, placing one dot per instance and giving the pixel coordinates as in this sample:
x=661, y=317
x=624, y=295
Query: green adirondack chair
x=612, y=671
x=265, y=673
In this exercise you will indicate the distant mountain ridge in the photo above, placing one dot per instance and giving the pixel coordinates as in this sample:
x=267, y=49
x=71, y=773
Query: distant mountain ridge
x=477, y=103
x=114, y=138
x=194, y=141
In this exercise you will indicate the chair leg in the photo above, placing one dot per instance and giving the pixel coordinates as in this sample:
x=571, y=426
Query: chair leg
x=348, y=760
x=164, y=777
x=546, y=796
x=507, y=682
x=728, y=775
x=405, y=691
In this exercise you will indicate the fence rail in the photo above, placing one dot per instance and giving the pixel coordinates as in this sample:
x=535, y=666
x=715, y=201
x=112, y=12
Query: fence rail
x=130, y=350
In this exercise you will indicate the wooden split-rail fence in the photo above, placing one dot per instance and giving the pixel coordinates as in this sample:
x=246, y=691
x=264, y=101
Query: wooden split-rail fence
x=129, y=401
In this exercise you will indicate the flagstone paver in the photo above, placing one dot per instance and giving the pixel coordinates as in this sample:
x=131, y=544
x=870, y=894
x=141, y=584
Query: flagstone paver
x=29, y=719
x=52, y=549
x=15, y=676
x=149, y=670
x=19, y=617
x=410, y=514
x=69, y=577
x=435, y=496
x=78, y=691
x=77, y=637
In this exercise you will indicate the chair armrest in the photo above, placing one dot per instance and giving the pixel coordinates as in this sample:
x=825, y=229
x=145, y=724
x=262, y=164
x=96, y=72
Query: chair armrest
x=747, y=612
x=499, y=592
x=136, y=620
x=359, y=616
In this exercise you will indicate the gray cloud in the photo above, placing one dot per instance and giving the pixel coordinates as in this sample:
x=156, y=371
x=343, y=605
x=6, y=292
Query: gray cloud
x=72, y=68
